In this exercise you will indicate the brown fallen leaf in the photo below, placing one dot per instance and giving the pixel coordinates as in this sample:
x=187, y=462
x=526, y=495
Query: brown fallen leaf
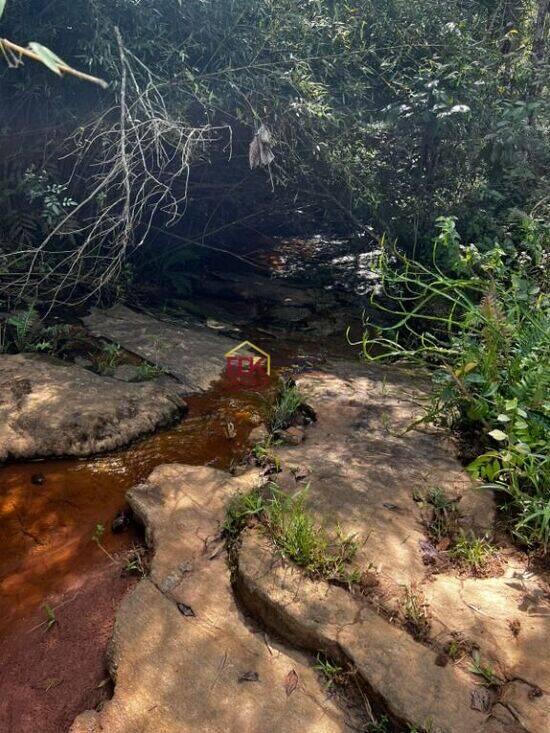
x=249, y=677
x=291, y=682
x=50, y=682
x=185, y=609
x=480, y=699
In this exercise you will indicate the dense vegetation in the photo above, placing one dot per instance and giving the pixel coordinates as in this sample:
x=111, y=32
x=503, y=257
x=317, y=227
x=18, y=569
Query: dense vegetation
x=384, y=115
x=395, y=121
x=481, y=321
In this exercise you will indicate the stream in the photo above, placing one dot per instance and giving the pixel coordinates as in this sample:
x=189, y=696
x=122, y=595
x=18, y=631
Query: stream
x=59, y=589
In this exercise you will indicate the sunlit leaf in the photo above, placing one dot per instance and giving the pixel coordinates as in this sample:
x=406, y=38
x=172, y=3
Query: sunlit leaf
x=2, y=6
x=498, y=435
x=47, y=57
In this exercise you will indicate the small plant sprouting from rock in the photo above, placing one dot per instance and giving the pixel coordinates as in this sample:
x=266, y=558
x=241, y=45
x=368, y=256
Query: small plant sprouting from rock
x=382, y=725
x=51, y=619
x=489, y=678
x=108, y=359
x=333, y=673
x=287, y=404
x=135, y=563
x=472, y=552
x=146, y=371
x=242, y=508
x=415, y=613
x=294, y=532
x=443, y=523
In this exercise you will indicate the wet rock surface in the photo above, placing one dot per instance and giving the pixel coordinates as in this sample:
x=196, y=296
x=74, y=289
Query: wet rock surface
x=51, y=408
x=193, y=355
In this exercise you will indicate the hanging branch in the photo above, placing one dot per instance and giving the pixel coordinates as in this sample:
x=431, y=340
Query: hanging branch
x=13, y=54
x=144, y=155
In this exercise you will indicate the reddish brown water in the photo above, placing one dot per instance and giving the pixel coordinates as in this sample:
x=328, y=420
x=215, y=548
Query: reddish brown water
x=46, y=530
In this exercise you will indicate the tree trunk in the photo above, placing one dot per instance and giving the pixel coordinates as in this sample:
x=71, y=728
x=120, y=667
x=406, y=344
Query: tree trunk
x=540, y=31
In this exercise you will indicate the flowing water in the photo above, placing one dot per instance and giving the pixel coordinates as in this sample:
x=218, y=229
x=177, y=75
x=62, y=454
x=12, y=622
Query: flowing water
x=49, y=509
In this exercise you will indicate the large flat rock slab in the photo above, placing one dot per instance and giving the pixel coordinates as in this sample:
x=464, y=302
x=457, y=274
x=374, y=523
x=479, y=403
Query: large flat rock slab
x=178, y=673
x=364, y=467
x=195, y=356
x=49, y=408
x=316, y=615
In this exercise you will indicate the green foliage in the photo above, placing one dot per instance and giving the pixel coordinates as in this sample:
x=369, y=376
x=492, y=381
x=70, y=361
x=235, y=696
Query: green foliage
x=51, y=619
x=302, y=540
x=415, y=613
x=382, y=725
x=108, y=359
x=241, y=509
x=485, y=671
x=286, y=405
x=25, y=331
x=146, y=371
x=472, y=551
x=333, y=673
x=445, y=515
x=384, y=115
x=294, y=531
x=482, y=325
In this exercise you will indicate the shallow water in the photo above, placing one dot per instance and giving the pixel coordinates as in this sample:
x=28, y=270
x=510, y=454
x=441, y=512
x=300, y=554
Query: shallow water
x=46, y=530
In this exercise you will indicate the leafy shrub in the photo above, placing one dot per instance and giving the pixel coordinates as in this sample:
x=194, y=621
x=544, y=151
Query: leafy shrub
x=480, y=321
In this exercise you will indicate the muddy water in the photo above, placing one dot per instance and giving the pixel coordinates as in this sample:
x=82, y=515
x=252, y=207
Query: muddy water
x=46, y=528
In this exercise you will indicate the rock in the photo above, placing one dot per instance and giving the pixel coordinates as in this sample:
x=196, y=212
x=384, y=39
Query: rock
x=361, y=457
x=122, y=521
x=195, y=356
x=81, y=361
x=317, y=616
x=258, y=435
x=51, y=408
x=212, y=671
x=363, y=460
x=289, y=314
x=292, y=436
x=222, y=326
x=126, y=373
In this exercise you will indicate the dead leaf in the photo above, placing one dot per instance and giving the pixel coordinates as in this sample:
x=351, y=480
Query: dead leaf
x=216, y=551
x=249, y=677
x=50, y=682
x=291, y=682
x=268, y=645
x=480, y=699
x=185, y=610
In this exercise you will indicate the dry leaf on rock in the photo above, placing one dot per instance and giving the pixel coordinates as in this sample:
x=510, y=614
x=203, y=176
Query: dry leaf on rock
x=291, y=682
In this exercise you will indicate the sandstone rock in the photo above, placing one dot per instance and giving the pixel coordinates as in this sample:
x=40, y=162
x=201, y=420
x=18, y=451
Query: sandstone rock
x=314, y=615
x=365, y=466
x=292, y=436
x=195, y=356
x=126, y=373
x=50, y=408
x=361, y=459
x=182, y=673
x=258, y=435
